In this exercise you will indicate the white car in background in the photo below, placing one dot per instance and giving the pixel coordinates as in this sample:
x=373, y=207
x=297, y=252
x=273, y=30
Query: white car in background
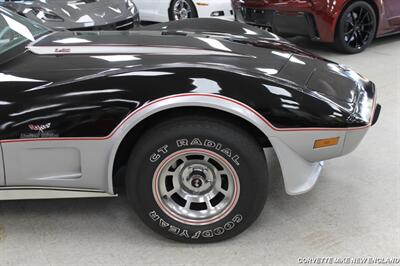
x=167, y=10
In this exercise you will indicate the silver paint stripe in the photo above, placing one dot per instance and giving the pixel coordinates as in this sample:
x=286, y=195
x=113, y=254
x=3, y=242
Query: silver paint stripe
x=49, y=188
x=66, y=177
x=24, y=193
x=153, y=50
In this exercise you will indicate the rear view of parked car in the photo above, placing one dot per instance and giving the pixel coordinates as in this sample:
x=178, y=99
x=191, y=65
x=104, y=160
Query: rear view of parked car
x=350, y=25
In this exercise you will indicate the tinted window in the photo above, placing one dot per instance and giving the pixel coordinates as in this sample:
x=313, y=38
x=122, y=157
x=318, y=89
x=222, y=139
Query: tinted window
x=15, y=30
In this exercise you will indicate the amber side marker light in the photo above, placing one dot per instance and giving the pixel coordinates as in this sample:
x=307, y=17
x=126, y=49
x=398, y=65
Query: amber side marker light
x=322, y=143
x=201, y=4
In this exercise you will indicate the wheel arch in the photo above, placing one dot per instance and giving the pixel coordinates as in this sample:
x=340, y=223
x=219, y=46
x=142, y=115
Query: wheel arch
x=127, y=135
x=130, y=139
x=299, y=171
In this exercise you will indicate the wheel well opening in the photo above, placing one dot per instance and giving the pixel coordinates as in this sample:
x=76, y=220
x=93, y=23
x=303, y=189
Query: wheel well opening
x=133, y=136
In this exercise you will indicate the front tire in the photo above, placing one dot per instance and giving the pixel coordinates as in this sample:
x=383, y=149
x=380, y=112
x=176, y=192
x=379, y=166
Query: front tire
x=196, y=179
x=356, y=28
x=182, y=9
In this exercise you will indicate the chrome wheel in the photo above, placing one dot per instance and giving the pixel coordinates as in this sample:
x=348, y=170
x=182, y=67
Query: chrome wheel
x=359, y=27
x=196, y=186
x=182, y=10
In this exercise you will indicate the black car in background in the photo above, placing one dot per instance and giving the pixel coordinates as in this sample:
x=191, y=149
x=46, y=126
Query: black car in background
x=78, y=14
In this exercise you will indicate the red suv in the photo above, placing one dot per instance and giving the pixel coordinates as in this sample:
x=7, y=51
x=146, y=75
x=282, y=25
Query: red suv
x=350, y=24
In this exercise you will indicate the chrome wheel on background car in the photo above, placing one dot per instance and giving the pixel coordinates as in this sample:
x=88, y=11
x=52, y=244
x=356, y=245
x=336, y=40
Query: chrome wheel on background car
x=202, y=180
x=196, y=186
x=356, y=28
x=182, y=9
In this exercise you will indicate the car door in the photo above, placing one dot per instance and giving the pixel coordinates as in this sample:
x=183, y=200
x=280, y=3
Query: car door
x=392, y=8
x=149, y=9
x=26, y=159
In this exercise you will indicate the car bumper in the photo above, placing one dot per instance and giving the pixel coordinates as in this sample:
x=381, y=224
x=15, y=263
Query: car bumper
x=301, y=165
x=282, y=23
x=316, y=19
x=214, y=9
x=354, y=137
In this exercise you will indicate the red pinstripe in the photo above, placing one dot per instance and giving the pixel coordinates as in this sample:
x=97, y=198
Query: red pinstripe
x=188, y=95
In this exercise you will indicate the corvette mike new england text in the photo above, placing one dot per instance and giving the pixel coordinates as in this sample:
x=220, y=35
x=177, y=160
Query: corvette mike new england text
x=350, y=260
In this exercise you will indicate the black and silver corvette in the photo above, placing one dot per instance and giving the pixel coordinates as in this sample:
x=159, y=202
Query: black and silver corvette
x=183, y=111
x=78, y=14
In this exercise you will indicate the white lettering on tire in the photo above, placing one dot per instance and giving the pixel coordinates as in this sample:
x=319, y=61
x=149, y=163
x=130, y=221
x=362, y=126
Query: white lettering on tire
x=229, y=225
x=155, y=156
x=182, y=142
x=197, y=142
x=209, y=233
x=196, y=235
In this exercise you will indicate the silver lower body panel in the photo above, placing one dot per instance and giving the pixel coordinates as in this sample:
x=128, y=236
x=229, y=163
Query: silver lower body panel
x=28, y=193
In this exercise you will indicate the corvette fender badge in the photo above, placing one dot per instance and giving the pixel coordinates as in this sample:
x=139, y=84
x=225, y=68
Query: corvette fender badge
x=39, y=128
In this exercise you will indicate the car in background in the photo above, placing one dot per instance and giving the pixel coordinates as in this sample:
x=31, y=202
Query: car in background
x=349, y=25
x=78, y=14
x=169, y=10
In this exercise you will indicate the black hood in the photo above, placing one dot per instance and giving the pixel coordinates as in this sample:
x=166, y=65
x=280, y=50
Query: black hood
x=311, y=73
x=227, y=44
x=217, y=43
x=113, y=73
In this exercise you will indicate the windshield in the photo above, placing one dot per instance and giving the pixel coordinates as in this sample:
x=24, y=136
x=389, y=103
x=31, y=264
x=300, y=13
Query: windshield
x=15, y=30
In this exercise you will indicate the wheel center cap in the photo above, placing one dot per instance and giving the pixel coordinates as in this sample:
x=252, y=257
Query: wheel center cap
x=197, y=181
x=184, y=13
x=197, y=178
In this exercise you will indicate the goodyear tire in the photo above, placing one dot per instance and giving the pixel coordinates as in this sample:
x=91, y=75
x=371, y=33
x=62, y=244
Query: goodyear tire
x=197, y=179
